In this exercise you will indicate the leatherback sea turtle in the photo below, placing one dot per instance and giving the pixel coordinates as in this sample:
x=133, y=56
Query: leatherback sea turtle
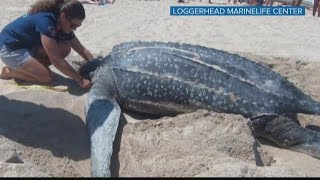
x=172, y=78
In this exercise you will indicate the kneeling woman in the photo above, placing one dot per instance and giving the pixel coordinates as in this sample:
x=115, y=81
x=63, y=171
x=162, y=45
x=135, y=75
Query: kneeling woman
x=44, y=36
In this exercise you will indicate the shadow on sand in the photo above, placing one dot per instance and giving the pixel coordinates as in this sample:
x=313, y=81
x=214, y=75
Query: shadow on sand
x=38, y=126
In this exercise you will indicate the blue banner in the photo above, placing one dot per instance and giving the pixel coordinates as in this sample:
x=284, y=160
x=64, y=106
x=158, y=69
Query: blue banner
x=237, y=11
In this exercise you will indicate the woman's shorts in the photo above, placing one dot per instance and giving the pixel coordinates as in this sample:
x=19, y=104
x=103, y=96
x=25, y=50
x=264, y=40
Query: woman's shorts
x=14, y=59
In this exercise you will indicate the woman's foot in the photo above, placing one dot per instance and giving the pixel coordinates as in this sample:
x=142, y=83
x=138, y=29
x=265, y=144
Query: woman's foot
x=5, y=73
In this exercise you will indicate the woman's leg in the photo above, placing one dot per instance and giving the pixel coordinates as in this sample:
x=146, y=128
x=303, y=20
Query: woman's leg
x=21, y=65
x=36, y=68
x=8, y=73
x=43, y=59
x=31, y=71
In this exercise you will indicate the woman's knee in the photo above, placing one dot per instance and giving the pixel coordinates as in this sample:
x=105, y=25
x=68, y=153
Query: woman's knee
x=48, y=78
x=43, y=76
x=36, y=70
x=65, y=48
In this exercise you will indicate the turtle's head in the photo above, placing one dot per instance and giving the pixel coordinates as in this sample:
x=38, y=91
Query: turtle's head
x=88, y=69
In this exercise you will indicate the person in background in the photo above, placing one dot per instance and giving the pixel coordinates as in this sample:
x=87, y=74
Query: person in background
x=89, y=1
x=315, y=8
x=100, y=2
x=43, y=36
x=234, y=1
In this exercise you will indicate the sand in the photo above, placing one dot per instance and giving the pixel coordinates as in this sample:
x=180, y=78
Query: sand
x=43, y=132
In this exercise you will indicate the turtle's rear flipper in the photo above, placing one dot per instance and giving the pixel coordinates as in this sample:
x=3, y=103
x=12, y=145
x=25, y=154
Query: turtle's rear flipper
x=311, y=148
x=286, y=133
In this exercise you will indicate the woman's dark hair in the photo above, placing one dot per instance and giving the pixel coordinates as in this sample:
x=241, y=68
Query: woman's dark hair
x=72, y=8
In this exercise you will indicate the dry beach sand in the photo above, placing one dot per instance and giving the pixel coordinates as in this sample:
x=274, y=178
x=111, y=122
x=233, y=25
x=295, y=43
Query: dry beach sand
x=43, y=132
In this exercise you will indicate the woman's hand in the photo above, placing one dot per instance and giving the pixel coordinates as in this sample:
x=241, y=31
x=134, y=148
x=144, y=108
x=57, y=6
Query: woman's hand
x=84, y=83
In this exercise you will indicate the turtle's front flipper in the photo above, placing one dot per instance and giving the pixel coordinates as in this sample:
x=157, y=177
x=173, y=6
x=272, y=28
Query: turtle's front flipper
x=102, y=117
x=286, y=133
x=102, y=121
